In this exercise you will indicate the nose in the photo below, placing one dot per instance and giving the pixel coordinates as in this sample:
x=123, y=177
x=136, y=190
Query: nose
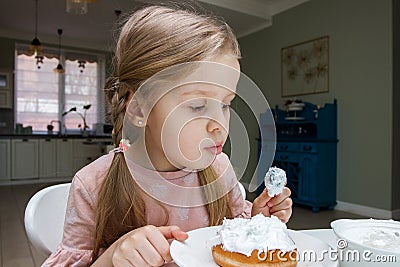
x=217, y=121
x=214, y=126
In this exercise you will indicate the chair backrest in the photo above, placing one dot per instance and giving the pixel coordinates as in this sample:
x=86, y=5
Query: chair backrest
x=44, y=217
x=242, y=190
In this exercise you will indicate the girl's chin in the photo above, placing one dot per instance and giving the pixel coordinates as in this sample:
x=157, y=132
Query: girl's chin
x=200, y=165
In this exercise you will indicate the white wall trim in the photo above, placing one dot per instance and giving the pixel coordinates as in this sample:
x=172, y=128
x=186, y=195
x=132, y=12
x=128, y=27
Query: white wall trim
x=249, y=7
x=280, y=6
x=364, y=210
x=396, y=214
x=259, y=27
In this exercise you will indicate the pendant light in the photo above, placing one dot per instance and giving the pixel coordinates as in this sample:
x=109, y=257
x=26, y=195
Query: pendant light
x=59, y=68
x=39, y=61
x=77, y=7
x=36, y=46
x=81, y=65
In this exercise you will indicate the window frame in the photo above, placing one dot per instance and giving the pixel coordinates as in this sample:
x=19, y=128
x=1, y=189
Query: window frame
x=101, y=73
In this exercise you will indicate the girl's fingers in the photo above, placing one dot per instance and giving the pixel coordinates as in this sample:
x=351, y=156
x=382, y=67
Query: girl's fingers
x=157, y=236
x=175, y=232
x=131, y=259
x=279, y=198
x=136, y=259
x=149, y=254
x=180, y=235
x=262, y=200
x=158, y=240
x=283, y=215
x=285, y=204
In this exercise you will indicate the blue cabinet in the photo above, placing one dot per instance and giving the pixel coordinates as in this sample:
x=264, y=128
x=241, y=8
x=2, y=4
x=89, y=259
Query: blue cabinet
x=307, y=177
x=306, y=150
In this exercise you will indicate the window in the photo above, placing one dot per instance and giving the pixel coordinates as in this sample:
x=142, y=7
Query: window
x=43, y=95
x=80, y=89
x=36, y=92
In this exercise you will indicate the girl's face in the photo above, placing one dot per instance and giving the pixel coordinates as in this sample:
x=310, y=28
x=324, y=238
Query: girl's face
x=189, y=125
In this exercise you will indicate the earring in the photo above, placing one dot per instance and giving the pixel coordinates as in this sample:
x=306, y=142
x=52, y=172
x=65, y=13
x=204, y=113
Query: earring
x=140, y=122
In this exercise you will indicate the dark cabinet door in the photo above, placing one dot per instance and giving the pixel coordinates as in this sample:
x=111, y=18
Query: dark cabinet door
x=307, y=178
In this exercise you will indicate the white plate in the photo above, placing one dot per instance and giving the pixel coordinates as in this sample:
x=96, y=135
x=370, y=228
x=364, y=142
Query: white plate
x=196, y=250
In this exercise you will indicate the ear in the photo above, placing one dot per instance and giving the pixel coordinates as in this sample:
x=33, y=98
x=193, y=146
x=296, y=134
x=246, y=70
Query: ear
x=134, y=113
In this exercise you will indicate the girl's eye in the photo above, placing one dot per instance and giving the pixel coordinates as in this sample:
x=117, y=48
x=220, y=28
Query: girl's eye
x=198, y=108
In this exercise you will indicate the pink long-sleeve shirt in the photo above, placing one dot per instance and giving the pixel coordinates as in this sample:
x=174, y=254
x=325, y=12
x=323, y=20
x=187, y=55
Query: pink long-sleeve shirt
x=78, y=237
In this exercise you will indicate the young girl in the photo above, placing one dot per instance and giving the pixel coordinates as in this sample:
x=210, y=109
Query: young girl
x=111, y=219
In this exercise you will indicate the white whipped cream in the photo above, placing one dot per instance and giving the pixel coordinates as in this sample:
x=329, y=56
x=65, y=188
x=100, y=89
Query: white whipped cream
x=275, y=180
x=382, y=238
x=259, y=232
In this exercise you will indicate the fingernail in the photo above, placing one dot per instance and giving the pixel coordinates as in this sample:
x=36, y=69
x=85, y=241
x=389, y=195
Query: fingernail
x=269, y=204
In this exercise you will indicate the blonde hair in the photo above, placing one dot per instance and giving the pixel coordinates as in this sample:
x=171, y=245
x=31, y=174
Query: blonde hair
x=152, y=39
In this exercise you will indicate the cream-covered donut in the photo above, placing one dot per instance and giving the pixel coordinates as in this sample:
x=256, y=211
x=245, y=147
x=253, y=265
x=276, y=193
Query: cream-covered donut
x=259, y=241
x=275, y=180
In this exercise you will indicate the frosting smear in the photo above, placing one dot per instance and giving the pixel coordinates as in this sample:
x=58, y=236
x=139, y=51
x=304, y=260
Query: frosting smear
x=258, y=233
x=275, y=180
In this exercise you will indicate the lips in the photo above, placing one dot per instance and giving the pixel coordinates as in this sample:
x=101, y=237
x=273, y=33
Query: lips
x=217, y=149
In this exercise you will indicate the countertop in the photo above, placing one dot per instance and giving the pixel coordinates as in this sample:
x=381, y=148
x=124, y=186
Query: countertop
x=51, y=136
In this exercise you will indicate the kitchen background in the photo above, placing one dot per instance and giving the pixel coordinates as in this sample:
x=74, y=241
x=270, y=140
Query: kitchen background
x=364, y=68
x=363, y=76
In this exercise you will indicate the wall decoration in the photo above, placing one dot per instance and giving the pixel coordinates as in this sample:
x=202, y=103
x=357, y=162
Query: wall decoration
x=305, y=67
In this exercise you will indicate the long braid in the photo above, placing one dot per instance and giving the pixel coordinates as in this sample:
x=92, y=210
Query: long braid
x=112, y=222
x=119, y=104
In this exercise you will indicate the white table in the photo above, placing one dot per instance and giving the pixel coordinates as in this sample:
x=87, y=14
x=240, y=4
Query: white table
x=325, y=235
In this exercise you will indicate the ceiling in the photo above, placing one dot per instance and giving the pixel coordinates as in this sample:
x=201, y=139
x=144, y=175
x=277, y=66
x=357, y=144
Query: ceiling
x=95, y=29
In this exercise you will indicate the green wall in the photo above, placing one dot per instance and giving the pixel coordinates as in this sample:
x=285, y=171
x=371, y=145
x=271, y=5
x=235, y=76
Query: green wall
x=360, y=33
x=396, y=108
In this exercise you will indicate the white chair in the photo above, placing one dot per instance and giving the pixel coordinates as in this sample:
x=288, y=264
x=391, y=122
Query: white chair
x=242, y=190
x=45, y=214
x=44, y=217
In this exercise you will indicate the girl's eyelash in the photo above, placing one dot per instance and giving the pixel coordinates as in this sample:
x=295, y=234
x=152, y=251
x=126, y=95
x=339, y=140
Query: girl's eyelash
x=198, y=108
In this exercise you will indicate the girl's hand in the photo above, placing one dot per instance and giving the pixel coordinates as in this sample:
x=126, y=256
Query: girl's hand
x=279, y=205
x=146, y=246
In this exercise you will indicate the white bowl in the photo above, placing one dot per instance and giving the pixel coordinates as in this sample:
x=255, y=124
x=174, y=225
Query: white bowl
x=365, y=242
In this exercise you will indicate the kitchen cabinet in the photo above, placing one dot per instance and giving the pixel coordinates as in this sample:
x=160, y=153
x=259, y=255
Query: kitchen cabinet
x=47, y=158
x=64, y=158
x=24, y=155
x=85, y=151
x=307, y=188
x=5, y=159
x=5, y=99
x=306, y=149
